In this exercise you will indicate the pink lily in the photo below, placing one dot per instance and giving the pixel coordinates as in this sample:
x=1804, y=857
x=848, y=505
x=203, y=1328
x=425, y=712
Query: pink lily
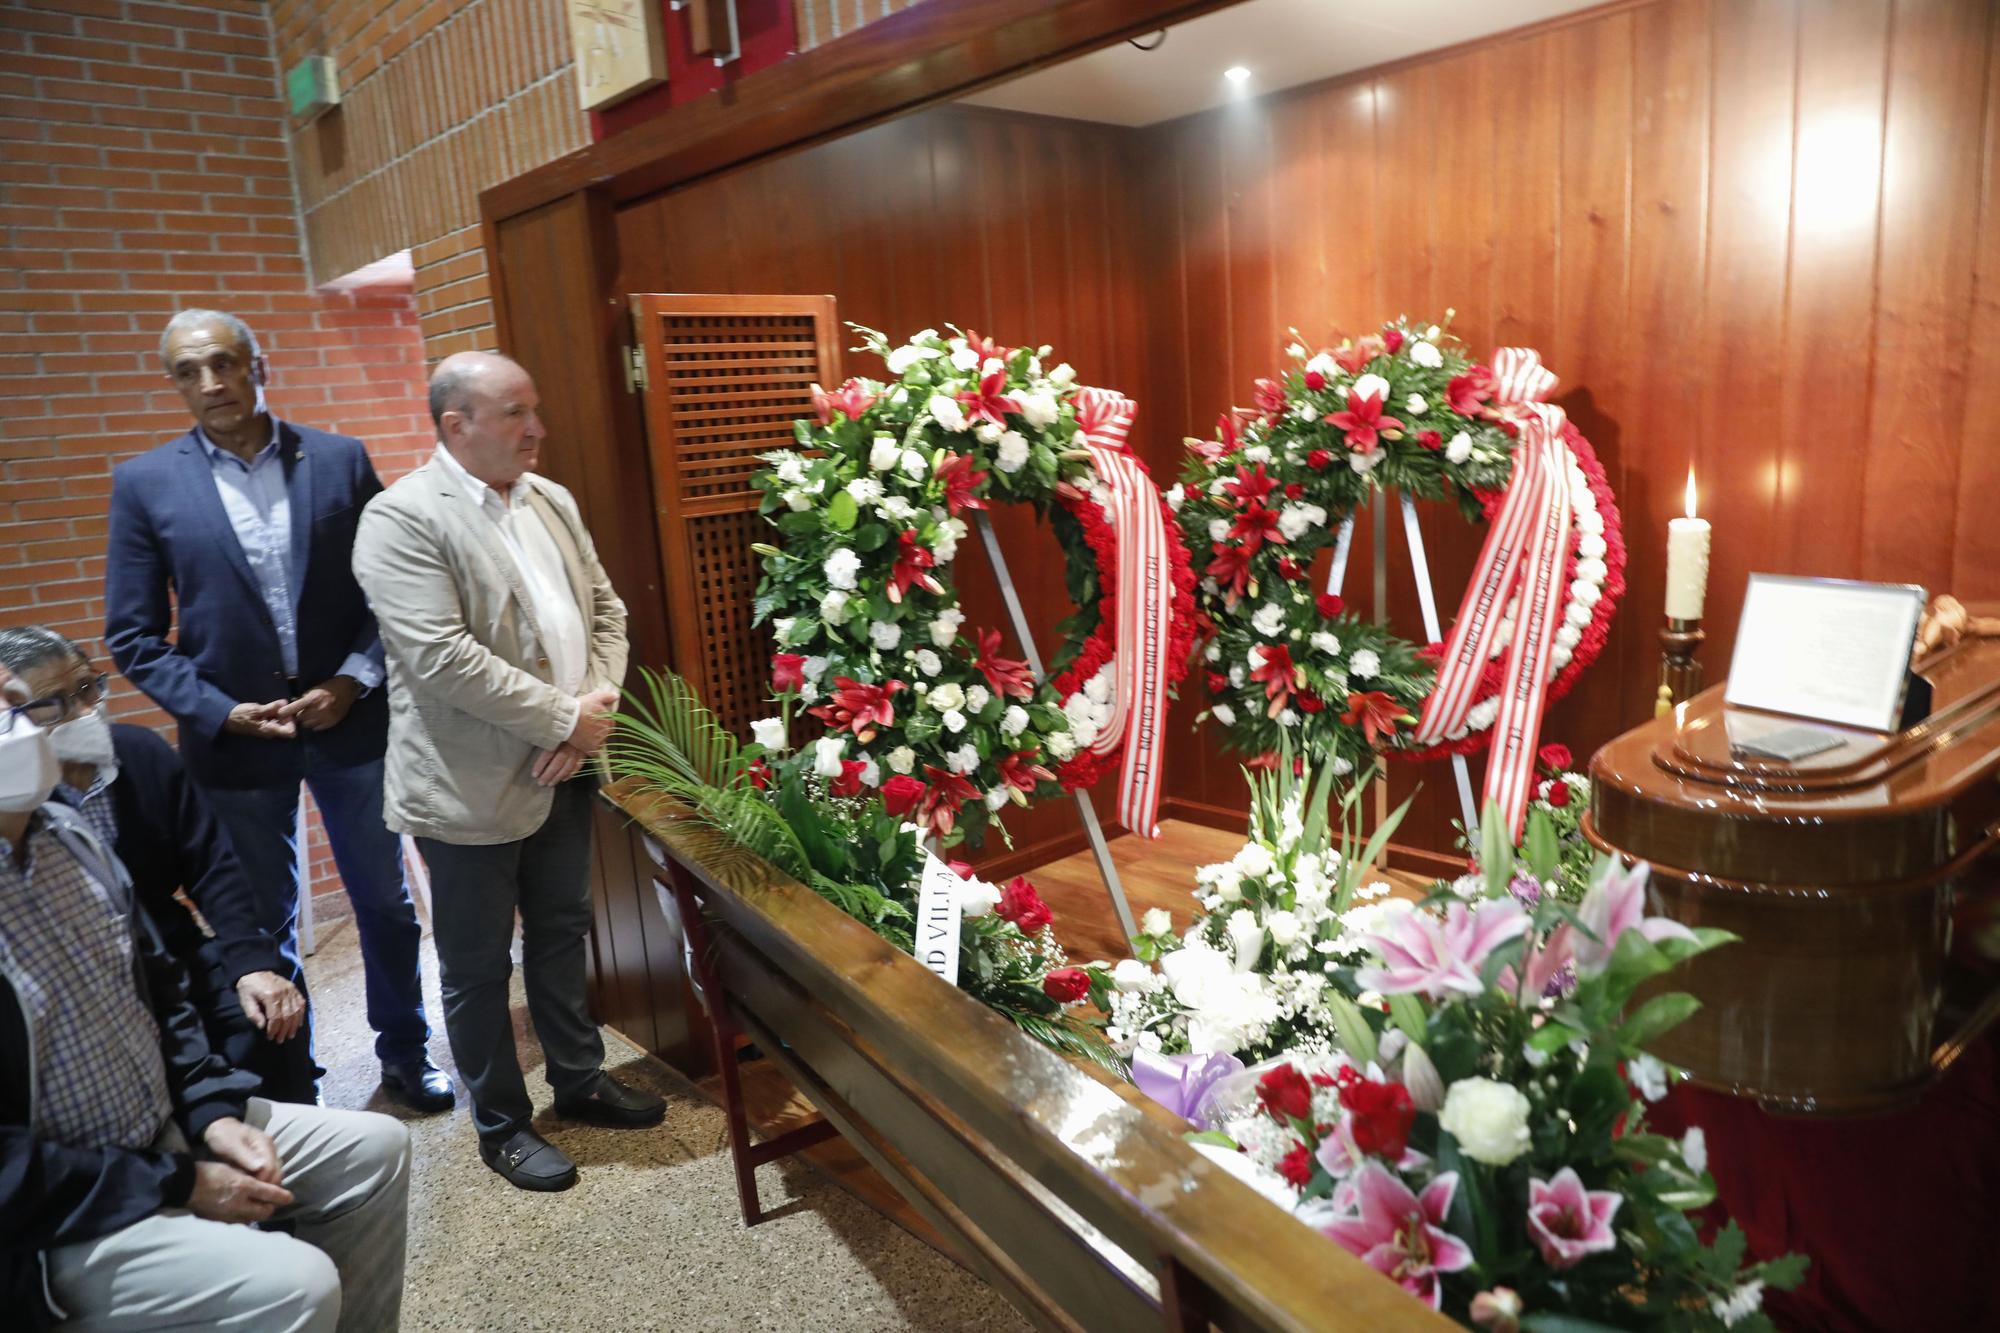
x=1544, y=966
x=1614, y=905
x=1402, y=1234
x=1567, y=1221
x=1436, y=957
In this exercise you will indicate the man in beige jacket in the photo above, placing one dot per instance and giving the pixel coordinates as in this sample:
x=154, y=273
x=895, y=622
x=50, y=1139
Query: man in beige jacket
x=506, y=646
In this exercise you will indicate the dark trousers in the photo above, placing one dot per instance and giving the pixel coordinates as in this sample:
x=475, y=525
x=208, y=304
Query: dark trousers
x=262, y=824
x=475, y=893
x=286, y=1067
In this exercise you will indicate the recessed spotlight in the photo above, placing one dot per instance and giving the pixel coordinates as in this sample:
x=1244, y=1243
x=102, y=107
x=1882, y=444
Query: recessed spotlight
x=1237, y=74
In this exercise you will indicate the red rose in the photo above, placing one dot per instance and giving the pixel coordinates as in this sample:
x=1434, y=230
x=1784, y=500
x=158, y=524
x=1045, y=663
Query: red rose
x=1315, y=381
x=1285, y=1094
x=1020, y=904
x=1382, y=1116
x=788, y=672
x=1430, y=439
x=901, y=793
x=1558, y=794
x=1217, y=682
x=1330, y=605
x=1297, y=1166
x=1294, y=490
x=849, y=782
x=1319, y=460
x=1066, y=985
x=1392, y=339
x=760, y=775
x=1555, y=758
x=1308, y=703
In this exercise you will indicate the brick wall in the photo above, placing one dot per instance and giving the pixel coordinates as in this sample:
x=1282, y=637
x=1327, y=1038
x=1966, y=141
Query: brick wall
x=144, y=169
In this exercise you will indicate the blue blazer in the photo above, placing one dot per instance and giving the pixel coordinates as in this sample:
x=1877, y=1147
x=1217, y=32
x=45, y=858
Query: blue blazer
x=171, y=535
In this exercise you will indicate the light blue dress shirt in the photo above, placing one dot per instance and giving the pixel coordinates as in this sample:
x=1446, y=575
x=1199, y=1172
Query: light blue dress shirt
x=259, y=505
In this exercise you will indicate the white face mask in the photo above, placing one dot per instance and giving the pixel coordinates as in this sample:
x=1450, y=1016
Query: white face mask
x=28, y=767
x=86, y=739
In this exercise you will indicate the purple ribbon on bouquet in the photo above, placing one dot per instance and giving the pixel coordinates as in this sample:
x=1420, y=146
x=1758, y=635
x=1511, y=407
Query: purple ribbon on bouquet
x=1181, y=1083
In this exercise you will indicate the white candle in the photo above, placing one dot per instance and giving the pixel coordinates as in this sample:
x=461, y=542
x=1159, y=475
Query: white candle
x=1687, y=561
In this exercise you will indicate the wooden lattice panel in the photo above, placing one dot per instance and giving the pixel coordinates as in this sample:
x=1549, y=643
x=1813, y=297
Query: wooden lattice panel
x=725, y=378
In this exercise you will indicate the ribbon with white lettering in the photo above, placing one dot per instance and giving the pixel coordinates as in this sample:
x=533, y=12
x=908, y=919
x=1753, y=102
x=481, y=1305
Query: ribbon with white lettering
x=1523, y=560
x=938, y=918
x=1144, y=610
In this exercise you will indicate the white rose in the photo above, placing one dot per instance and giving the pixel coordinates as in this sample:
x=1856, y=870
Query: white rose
x=1014, y=721
x=1306, y=412
x=1324, y=364
x=833, y=608
x=1013, y=452
x=1489, y=1120
x=1224, y=714
x=1061, y=745
x=1426, y=355
x=1372, y=386
x=902, y=759
x=1417, y=403
x=954, y=722
x=906, y=356
x=964, y=358
x=1246, y=938
x=885, y=634
x=781, y=628
x=1364, y=664
x=1131, y=975
x=769, y=732
x=896, y=507
x=1284, y=928
x=944, y=629
x=915, y=465
x=1254, y=861
x=841, y=568
x=1040, y=408
x=864, y=490
x=964, y=759
x=872, y=772
x=976, y=698
x=813, y=668
x=946, y=412
x=946, y=697
x=826, y=755
x=1460, y=447
x=1156, y=921
x=927, y=661
x=1269, y=619
x=976, y=898
x=883, y=453
x=1176, y=496
x=1363, y=464
x=1326, y=643
x=797, y=501
x=1063, y=375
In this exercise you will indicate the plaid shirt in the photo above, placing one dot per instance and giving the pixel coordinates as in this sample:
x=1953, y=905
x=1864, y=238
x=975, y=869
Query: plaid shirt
x=99, y=1078
x=95, y=806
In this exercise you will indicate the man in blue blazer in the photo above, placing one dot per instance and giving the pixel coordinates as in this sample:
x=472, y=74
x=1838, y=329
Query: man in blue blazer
x=244, y=526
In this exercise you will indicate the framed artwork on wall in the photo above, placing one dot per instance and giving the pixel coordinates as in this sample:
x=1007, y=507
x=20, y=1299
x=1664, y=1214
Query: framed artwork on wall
x=620, y=49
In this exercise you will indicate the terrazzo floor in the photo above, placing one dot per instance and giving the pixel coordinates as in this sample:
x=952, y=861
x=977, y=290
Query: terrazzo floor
x=650, y=1237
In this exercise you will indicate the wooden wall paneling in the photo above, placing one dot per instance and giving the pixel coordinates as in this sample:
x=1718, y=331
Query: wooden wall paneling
x=1976, y=554
x=1930, y=217
x=1835, y=165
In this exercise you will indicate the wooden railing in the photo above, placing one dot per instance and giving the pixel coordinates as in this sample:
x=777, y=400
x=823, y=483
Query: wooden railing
x=1062, y=1187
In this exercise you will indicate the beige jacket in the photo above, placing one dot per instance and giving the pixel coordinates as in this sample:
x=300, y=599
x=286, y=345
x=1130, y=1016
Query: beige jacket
x=471, y=705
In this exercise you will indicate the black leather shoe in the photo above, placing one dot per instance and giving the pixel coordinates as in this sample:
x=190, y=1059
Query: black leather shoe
x=530, y=1162
x=611, y=1103
x=419, y=1085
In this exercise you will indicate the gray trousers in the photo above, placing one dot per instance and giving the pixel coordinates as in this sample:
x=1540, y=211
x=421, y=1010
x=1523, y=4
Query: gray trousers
x=475, y=893
x=349, y=1174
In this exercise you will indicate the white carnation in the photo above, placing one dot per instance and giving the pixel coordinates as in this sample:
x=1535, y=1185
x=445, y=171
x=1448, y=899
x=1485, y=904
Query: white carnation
x=1326, y=643
x=1295, y=520
x=813, y=668
x=1218, y=528
x=1040, y=408
x=946, y=697
x=864, y=490
x=954, y=721
x=1426, y=355
x=1489, y=1120
x=833, y=608
x=885, y=634
x=1269, y=619
x=1371, y=386
x=1324, y=364
x=1014, y=721
x=1365, y=664
x=976, y=898
x=944, y=629
x=1013, y=452
x=1647, y=1075
x=976, y=698
x=1176, y=496
x=791, y=470
x=964, y=759
x=841, y=568
x=1061, y=745
x=1417, y=403
x=1460, y=447
x=927, y=661
x=906, y=356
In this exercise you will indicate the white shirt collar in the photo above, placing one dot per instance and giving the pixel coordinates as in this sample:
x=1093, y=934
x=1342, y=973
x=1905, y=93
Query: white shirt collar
x=516, y=497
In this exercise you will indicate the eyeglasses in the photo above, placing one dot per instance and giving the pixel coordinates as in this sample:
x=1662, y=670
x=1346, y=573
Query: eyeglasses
x=52, y=709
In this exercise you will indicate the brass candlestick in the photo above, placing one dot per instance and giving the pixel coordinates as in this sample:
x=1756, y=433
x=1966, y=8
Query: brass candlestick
x=1680, y=672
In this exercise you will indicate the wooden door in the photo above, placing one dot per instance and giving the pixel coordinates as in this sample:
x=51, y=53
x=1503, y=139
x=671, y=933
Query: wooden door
x=725, y=377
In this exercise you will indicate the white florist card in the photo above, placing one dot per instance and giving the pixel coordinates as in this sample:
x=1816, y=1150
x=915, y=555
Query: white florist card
x=1829, y=649
x=937, y=919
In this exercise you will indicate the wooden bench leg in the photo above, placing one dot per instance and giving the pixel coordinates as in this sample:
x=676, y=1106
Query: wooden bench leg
x=722, y=1033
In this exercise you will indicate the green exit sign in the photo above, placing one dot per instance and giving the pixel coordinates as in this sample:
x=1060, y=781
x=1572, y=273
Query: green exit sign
x=312, y=86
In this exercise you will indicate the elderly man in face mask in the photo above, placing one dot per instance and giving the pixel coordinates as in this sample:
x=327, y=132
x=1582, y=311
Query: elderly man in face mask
x=130, y=785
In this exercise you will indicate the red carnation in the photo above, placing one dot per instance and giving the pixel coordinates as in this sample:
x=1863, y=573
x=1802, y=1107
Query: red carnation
x=1297, y=1166
x=1381, y=1116
x=1020, y=904
x=1554, y=756
x=859, y=708
x=1290, y=568
x=1375, y=713
x=1217, y=682
x=1392, y=341
x=1362, y=422
x=1285, y=1094
x=1319, y=460
x=1430, y=439
x=788, y=672
x=849, y=781
x=1307, y=702
x=760, y=775
x=1558, y=794
x=1330, y=605
x=1294, y=490
x=960, y=476
x=1004, y=675
x=1467, y=393
x=1315, y=381
x=901, y=793
x=1066, y=985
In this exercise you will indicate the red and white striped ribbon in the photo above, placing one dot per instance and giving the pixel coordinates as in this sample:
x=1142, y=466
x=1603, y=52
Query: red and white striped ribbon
x=1144, y=611
x=1525, y=557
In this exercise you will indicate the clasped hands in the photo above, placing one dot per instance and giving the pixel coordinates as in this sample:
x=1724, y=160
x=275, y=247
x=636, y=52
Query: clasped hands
x=318, y=709
x=245, y=1182
x=596, y=713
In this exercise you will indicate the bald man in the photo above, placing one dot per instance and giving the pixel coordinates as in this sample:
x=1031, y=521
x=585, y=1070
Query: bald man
x=506, y=646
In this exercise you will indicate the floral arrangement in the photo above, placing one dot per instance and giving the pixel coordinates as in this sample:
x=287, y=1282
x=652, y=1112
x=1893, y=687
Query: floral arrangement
x=1476, y=1128
x=847, y=842
x=873, y=507
x=1404, y=408
x=1553, y=835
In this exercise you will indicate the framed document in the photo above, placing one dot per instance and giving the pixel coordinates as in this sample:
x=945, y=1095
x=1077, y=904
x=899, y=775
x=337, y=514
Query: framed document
x=620, y=49
x=1828, y=649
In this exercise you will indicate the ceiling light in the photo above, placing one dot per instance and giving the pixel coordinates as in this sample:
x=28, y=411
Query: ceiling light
x=1237, y=74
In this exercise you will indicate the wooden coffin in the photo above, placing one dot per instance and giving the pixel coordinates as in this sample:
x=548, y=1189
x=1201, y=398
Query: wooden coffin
x=1060, y=1185
x=1862, y=881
